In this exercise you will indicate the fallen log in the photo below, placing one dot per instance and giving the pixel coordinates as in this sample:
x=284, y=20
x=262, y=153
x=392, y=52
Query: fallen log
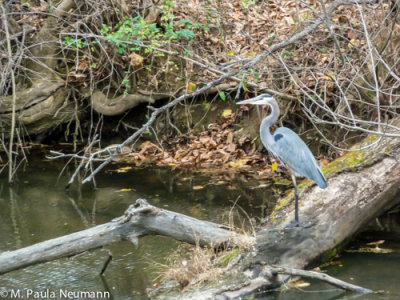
x=139, y=220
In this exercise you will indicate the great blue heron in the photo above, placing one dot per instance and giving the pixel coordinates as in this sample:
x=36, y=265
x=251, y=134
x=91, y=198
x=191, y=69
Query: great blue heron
x=288, y=147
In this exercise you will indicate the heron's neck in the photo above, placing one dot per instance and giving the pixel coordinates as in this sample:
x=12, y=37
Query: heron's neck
x=272, y=117
x=265, y=134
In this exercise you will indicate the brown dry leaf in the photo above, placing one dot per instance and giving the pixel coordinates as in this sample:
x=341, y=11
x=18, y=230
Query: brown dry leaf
x=226, y=158
x=231, y=147
x=343, y=18
x=74, y=77
x=205, y=139
x=352, y=35
x=206, y=155
x=229, y=138
x=136, y=60
x=289, y=21
x=180, y=154
x=242, y=140
x=83, y=65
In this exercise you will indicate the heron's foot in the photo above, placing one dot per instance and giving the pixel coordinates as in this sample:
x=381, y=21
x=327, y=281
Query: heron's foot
x=297, y=224
x=293, y=224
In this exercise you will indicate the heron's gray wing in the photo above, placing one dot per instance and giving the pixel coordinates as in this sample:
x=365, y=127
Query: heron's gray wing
x=295, y=155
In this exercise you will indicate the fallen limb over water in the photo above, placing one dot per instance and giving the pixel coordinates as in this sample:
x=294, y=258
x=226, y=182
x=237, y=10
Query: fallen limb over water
x=320, y=276
x=139, y=220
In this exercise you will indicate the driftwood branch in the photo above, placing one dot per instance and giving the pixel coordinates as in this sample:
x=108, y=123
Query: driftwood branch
x=320, y=276
x=139, y=220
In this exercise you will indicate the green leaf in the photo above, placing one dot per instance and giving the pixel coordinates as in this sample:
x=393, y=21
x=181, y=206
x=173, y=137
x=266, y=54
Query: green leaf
x=185, y=33
x=244, y=83
x=222, y=95
x=185, y=22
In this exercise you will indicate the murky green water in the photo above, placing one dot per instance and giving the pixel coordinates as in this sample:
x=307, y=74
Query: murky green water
x=36, y=208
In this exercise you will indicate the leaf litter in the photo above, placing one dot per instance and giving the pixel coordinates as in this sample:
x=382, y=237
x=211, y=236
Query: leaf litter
x=218, y=149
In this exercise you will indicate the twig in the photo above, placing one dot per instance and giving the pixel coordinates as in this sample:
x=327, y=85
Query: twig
x=106, y=263
x=88, y=149
x=321, y=276
x=14, y=96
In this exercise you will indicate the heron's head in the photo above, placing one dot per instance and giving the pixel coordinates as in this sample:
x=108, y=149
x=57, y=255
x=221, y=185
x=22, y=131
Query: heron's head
x=264, y=99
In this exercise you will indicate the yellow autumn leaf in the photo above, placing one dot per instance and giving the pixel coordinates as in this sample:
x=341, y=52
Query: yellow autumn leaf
x=191, y=87
x=252, y=54
x=274, y=166
x=226, y=112
x=353, y=43
x=125, y=168
x=329, y=75
x=301, y=284
x=125, y=190
x=238, y=163
x=198, y=187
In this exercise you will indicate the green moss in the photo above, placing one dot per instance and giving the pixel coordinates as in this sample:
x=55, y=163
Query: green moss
x=349, y=161
x=329, y=255
x=229, y=256
x=353, y=159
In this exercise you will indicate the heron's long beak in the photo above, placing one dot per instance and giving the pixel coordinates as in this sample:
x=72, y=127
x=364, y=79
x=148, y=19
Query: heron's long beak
x=259, y=100
x=250, y=101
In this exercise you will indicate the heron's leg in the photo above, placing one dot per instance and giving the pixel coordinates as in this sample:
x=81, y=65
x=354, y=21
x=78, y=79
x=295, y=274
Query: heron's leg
x=296, y=201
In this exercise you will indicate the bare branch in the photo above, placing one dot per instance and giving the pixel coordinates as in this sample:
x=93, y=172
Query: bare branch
x=320, y=276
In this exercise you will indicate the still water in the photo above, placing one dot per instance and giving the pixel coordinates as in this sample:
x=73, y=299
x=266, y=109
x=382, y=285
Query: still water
x=37, y=208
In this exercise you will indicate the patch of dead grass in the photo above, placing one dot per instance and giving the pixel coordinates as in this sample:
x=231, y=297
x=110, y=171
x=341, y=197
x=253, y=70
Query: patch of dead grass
x=191, y=266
